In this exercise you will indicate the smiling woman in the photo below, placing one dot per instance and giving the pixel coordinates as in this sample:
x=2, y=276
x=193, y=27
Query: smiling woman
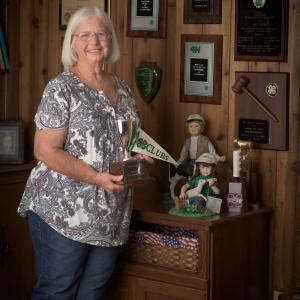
x=80, y=210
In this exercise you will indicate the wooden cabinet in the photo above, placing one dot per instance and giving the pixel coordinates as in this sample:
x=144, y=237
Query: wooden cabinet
x=16, y=254
x=231, y=260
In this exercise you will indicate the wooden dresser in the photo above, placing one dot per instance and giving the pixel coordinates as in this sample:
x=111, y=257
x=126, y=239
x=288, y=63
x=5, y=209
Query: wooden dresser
x=16, y=253
x=230, y=261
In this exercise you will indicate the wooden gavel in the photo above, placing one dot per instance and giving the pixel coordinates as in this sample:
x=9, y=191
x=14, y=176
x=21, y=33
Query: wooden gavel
x=241, y=86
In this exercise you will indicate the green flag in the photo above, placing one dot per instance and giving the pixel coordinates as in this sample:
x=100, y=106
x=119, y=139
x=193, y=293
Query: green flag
x=142, y=143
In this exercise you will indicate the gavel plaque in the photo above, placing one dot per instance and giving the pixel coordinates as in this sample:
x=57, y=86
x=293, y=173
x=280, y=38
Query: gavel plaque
x=261, y=109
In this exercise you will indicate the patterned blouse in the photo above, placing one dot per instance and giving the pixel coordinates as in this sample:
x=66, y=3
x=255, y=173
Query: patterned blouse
x=78, y=210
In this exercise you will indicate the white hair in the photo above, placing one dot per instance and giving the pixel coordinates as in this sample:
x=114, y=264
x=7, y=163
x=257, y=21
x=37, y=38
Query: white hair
x=69, y=57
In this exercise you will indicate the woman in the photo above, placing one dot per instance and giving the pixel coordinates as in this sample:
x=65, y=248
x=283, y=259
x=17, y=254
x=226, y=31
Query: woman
x=78, y=213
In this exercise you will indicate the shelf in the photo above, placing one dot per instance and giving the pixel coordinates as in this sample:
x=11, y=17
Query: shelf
x=7, y=168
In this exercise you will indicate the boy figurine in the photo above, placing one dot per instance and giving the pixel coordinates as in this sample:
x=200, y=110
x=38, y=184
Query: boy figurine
x=203, y=184
x=197, y=143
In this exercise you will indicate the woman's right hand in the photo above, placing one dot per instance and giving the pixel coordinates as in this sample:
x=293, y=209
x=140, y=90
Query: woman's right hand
x=110, y=183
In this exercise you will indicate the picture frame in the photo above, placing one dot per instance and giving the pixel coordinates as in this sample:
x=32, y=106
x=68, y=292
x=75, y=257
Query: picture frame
x=11, y=142
x=202, y=11
x=201, y=68
x=147, y=18
x=68, y=7
x=261, y=30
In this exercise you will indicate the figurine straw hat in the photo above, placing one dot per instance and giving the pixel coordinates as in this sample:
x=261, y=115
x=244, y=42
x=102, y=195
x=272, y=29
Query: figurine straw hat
x=206, y=158
x=195, y=117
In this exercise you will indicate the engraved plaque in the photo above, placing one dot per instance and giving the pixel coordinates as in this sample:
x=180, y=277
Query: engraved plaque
x=256, y=131
x=261, y=30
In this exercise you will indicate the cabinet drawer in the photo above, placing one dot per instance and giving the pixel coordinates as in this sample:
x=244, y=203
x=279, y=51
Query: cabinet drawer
x=153, y=290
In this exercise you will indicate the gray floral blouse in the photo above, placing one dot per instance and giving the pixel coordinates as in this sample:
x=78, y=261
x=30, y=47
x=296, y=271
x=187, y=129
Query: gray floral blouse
x=78, y=210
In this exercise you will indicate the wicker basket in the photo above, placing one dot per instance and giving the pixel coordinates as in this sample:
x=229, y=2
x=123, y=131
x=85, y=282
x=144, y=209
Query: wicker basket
x=170, y=257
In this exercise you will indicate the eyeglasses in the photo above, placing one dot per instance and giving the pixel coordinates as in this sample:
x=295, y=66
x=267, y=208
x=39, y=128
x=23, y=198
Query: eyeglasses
x=87, y=36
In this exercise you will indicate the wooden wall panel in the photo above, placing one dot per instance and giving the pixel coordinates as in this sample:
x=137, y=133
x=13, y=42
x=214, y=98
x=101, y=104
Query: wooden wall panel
x=9, y=81
x=133, y=52
x=26, y=103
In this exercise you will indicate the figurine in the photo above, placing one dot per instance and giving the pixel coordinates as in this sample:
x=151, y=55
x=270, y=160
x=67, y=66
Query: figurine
x=193, y=195
x=197, y=143
x=193, y=147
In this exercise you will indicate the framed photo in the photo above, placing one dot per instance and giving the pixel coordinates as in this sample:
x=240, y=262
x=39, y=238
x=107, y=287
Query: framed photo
x=201, y=68
x=202, y=11
x=11, y=142
x=261, y=30
x=147, y=18
x=68, y=7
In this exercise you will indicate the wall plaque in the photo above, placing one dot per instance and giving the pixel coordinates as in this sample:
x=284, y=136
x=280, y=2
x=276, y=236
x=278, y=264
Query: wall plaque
x=201, y=65
x=266, y=124
x=261, y=30
x=68, y=7
x=148, y=78
x=202, y=11
x=254, y=130
x=147, y=18
x=11, y=142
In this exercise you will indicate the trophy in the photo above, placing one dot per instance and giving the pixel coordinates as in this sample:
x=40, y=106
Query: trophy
x=131, y=169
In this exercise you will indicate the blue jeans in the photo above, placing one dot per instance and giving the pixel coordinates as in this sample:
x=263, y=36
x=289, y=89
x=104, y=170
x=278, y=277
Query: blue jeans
x=67, y=269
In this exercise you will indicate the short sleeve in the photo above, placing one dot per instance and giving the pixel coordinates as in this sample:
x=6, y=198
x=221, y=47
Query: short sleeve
x=128, y=107
x=53, y=111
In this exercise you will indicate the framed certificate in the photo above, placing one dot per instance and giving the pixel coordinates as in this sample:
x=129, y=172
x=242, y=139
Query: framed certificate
x=202, y=11
x=68, y=7
x=147, y=18
x=11, y=142
x=201, y=67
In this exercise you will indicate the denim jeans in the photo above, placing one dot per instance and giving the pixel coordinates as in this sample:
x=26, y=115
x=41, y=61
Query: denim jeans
x=67, y=269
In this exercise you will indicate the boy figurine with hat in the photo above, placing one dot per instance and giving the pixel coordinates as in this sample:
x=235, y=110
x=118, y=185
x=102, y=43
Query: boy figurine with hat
x=195, y=192
x=197, y=143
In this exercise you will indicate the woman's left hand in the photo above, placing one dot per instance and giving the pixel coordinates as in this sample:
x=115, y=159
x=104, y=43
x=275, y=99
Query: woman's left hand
x=145, y=157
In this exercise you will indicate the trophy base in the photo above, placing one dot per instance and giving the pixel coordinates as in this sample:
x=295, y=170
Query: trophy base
x=132, y=169
x=236, y=197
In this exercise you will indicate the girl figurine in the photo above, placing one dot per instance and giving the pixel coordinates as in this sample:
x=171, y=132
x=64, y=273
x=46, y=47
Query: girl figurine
x=203, y=184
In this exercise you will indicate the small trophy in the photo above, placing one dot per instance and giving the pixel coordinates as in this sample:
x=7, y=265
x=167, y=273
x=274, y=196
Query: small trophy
x=131, y=169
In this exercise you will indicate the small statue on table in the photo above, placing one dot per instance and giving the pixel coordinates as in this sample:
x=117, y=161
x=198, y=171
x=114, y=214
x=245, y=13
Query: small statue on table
x=193, y=147
x=197, y=143
x=194, y=194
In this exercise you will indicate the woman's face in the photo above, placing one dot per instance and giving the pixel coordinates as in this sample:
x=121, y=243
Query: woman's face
x=194, y=128
x=96, y=50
